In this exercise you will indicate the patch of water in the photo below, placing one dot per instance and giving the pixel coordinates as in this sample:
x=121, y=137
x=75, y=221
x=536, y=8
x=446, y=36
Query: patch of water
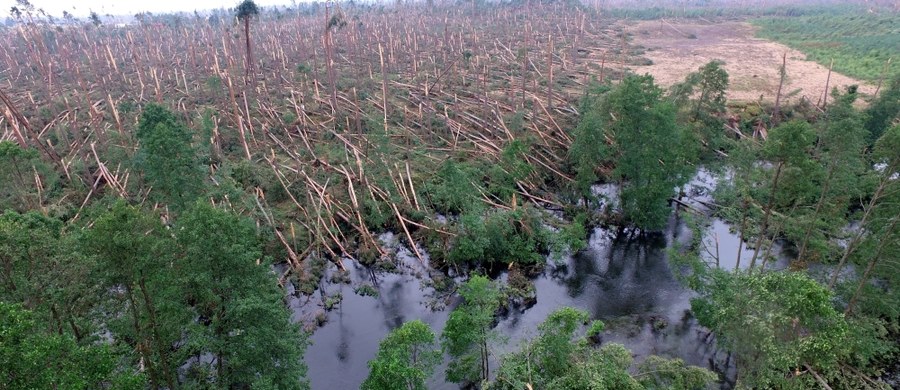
x=624, y=280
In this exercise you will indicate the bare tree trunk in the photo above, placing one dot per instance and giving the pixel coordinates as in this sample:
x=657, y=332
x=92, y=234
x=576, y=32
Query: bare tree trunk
x=550, y=73
x=881, y=79
x=783, y=72
x=249, y=67
x=827, y=81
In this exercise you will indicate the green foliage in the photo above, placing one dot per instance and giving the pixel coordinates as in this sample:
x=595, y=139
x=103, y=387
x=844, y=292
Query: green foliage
x=672, y=374
x=632, y=128
x=452, y=189
x=558, y=358
x=247, y=327
x=246, y=9
x=884, y=110
x=406, y=359
x=514, y=236
x=651, y=153
x=513, y=167
x=167, y=158
x=860, y=43
x=133, y=265
x=32, y=359
x=467, y=335
x=789, y=148
x=705, y=113
x=840, y=153
x=39, y=270
x=589, y=147
x=773, y=322
x=19, y=170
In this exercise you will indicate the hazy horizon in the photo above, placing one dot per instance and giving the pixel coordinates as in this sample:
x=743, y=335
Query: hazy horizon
x=127, y=8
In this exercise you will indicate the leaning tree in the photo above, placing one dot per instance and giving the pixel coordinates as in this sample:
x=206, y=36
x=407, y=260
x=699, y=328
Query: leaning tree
x=245, y=11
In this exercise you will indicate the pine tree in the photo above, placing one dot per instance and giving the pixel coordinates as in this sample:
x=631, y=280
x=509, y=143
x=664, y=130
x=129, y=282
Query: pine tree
x=406, y=359
x=467, y=335
x=244, y=323
x=167, y=158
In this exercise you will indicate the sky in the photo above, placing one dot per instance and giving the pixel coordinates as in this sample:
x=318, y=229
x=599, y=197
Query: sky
x=82, y=8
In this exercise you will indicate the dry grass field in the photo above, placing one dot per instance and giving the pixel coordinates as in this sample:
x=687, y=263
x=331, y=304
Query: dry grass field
x=678, y=48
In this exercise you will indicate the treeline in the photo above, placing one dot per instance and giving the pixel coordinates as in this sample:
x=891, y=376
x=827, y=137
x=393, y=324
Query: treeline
x=734, y=9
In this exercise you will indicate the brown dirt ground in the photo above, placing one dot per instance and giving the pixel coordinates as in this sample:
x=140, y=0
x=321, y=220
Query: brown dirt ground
x=752, y=63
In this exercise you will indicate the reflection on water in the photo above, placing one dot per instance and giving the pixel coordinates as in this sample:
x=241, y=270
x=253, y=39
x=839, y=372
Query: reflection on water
x=626, y=281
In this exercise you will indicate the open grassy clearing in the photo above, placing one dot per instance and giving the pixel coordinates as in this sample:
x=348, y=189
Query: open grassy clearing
x=677, y=48
x=859, y=43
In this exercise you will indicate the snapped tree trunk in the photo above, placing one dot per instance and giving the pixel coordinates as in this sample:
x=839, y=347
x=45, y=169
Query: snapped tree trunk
x=249, y=67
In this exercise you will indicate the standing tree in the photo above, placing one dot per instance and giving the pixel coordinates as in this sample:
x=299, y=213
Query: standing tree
x=634, y=129
x=783, y=330
x=561, y=358
x=245, y=11
x=39, y=270
x=167, y=158
x=883, y=111
x=32, y=359
x=840, y=151
x=244, y=323
x=130, y=248
x=788, y=149
x=406, y=359
x=468, y=333
x=705, y=113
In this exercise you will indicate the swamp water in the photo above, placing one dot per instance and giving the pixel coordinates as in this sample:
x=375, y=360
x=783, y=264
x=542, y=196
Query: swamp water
x=625, y=281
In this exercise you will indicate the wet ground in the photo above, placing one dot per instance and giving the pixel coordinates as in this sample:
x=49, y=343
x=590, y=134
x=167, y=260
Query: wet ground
x=624, y=280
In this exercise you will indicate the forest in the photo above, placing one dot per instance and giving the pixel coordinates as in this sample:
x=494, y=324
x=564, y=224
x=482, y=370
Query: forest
x=444, y=195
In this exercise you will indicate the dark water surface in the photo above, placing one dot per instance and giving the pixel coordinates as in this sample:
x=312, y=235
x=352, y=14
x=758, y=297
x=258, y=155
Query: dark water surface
x=626, y=281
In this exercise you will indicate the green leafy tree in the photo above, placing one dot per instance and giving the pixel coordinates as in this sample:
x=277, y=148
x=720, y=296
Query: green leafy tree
x=561, y=357
x=133, y=265
x=467, y=335
x=33, y=359
x=884, y=110
x=840, y=153
x=673, y=374
x=788, y=149
x=166, y=157
x=589, y=146
x=244, y=323
x=651, y=152
x=40, y=270
x=452, y=189
x=406, y=359
x=773, y=323
x=886, y=159
x=701, y=100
